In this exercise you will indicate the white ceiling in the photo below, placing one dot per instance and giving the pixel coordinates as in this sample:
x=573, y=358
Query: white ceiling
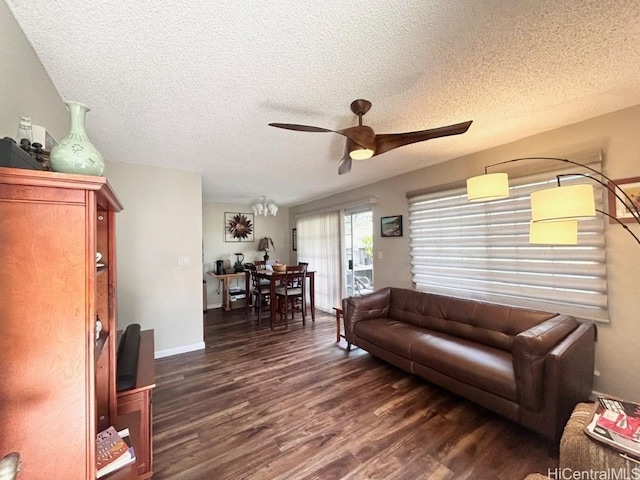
x=192, y=85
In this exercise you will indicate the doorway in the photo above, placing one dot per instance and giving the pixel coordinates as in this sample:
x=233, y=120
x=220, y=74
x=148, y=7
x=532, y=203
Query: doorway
x=358, y=251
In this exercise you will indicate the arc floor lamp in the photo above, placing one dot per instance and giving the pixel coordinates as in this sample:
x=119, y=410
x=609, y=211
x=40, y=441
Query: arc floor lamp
x=555, y=212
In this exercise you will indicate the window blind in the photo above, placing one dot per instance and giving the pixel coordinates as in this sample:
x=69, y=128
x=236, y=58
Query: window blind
x=481, y=251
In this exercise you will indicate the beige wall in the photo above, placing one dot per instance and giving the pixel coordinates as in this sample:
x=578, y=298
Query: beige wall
x=25, y=86
x=160, y=223
x=162, y=216
x=616, y=134
x=215, y=248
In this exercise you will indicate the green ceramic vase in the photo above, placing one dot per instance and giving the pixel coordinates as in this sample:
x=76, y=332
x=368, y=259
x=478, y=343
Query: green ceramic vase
x=75, y=153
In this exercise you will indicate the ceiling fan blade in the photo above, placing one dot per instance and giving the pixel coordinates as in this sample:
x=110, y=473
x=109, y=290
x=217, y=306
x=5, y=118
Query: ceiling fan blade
x=345, y=162
x=386, y=142
x=362, y=135
x=301, y=128
x=345, y=165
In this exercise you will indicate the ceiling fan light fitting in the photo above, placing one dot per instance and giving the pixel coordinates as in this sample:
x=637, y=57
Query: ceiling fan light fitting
x=360, y=153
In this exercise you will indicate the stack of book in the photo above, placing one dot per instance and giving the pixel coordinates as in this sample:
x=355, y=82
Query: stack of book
x=616, y=423
x=114, y=451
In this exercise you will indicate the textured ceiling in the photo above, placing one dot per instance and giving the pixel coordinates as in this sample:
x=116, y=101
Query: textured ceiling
x=193, y=85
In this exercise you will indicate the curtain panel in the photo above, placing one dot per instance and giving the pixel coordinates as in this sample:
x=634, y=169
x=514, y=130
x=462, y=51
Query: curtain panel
x=319, y=245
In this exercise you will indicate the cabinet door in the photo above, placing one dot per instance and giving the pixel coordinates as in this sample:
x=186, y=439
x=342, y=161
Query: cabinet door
x=134, y=412
x=44, y=344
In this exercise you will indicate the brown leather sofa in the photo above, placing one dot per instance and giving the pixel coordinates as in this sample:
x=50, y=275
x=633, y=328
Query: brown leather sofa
x=530, y=366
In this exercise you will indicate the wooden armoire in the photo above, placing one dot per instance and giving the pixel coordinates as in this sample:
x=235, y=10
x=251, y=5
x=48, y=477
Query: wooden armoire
x=57, y=371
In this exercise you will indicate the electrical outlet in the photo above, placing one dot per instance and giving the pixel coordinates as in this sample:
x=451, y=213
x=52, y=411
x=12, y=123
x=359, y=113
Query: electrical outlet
x=379, y=254
x=183, y=261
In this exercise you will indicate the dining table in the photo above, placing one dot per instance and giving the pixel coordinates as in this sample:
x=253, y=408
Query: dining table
x=273, y=278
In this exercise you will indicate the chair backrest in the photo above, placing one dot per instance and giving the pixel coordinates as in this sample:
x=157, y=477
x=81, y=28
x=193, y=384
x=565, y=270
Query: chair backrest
x=260, y=264
x=295, y=276
x=253, y=276
x=304, y=266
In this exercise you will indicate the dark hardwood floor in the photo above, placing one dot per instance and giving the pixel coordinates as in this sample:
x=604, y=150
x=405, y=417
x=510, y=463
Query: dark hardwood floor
x=294, y=404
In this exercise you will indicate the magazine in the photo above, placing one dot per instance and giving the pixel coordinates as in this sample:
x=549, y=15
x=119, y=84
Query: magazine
x=616, y=423
x=114, y=451
x=621, y=424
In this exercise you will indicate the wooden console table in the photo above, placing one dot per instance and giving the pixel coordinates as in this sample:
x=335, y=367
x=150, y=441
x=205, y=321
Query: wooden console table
x=226, y=279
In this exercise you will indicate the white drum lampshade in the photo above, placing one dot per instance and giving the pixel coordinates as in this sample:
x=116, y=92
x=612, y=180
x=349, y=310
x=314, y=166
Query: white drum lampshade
x=571, y=202
x=554, y=233
x=490, y=186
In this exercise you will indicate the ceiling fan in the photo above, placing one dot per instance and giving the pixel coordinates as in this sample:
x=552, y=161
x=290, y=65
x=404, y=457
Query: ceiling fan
x=363, y=143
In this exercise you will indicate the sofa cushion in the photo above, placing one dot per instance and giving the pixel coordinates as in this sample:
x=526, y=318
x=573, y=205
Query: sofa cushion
x=491, y=324
x=470, y=362
x=390, y=334
x=484, y=367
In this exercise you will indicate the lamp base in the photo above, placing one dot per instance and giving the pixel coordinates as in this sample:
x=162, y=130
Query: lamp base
x=266, y=257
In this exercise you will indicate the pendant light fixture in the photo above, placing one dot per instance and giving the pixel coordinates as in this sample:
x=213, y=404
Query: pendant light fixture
x=264, y=208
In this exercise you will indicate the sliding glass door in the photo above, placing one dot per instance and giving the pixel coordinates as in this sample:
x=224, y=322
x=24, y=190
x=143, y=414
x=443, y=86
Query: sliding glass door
x=358, y=251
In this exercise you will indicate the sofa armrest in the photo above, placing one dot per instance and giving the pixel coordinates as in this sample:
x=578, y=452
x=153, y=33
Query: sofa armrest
x=529, y=351
x=372, y=305
x=569, y=375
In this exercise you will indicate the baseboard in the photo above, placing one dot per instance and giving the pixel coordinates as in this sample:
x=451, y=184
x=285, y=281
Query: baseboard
x=215, y=305
x=595, y=394
x=179, y=350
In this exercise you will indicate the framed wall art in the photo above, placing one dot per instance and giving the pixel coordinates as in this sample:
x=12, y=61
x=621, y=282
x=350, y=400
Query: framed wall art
x=617, y=209
x=294, y=239
x=238, y=227
x=391, y=226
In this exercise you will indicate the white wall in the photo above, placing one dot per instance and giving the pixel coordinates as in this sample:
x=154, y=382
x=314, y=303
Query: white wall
x=616, y=134
x=215, y=247
x=161, y=221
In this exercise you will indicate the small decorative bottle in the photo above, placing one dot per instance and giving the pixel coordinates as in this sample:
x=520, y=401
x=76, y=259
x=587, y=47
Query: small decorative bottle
x=75, y=153
x=25, y=130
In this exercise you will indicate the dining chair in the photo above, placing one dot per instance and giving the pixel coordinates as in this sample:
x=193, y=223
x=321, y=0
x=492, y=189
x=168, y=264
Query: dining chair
x=262, y=265
x=260, y=294
x=290, y=289
x=302, y=301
